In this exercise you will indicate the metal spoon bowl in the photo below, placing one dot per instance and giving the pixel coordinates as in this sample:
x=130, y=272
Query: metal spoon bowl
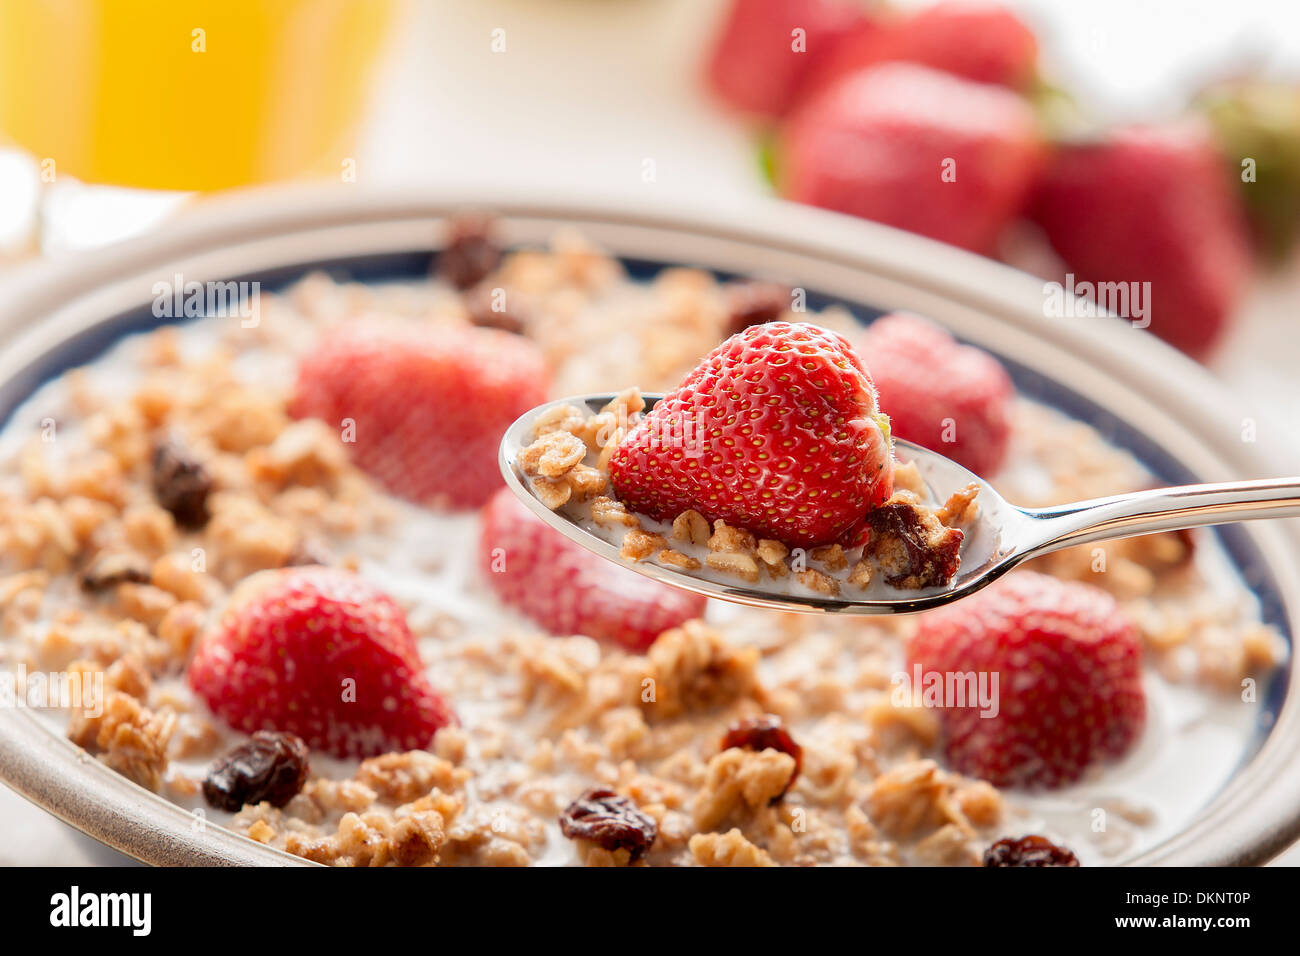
x=1001, y=536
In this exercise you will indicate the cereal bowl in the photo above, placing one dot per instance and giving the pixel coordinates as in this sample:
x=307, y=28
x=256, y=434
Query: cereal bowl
x=1209, y=784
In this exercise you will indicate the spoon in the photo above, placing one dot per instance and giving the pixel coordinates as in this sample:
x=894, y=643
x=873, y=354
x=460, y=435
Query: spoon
x=998, y=539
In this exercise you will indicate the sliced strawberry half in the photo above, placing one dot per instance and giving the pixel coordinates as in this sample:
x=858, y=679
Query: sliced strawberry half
x=1068, y=663
x=952, y=398
x=567, y=589
x=423, y=410
x=321, y=653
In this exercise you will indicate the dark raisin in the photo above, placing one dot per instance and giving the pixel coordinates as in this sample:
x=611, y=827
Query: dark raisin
x=755, y=303
x=181, y=483
x=762, y=733
x=492, y=309
x=109, y=569
x=913, y=548
x=271, y=766
x=1029, y=851
x=471, y=253
x=611, y=821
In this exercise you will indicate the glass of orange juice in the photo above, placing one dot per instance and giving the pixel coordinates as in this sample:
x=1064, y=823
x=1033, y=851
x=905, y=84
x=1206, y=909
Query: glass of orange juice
x=187, y=94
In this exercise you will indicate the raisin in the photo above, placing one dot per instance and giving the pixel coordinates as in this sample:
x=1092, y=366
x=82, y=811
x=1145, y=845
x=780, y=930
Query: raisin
x=762, y=733
x=181, y=483
x=611, y=821
x=481, y=304
x=1029, y=851
x=271, y=766
x=109, y=569
x=755, y=303
x=471, y=254
x=911, y=545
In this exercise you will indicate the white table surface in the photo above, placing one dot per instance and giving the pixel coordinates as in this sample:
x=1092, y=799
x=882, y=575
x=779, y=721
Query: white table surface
x=589, y=89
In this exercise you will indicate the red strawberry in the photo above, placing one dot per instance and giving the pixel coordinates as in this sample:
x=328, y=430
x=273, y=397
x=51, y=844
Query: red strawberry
x=983, y=42
x=952, y=398
x=914, y=148
x=1152, y=204
x=428, y=406
x=1069, y=692
x=567, y=589
x=777, y=431
x=288, y=643
x=759, y=63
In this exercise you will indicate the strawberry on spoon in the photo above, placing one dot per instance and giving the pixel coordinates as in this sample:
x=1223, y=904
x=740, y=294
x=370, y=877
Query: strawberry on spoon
x=777, y=432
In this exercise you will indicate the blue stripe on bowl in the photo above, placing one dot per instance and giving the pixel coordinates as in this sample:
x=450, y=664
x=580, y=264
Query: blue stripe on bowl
x=88, y=345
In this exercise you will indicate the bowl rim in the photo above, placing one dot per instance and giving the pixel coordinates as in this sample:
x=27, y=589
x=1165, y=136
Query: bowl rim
x=1252, y=819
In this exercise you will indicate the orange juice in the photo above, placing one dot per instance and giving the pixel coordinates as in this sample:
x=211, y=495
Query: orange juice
x=186, y=94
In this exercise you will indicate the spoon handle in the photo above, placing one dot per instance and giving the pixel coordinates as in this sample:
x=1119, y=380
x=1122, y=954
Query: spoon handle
x=1160, y=509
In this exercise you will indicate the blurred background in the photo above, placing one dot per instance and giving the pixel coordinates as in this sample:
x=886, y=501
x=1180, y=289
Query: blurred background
x=1170, y=129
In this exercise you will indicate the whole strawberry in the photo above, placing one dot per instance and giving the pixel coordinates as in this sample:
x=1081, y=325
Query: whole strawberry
x=777, y=431
x=1069, y=684
x=567, y=589
x=952, y=398
x=913, y=148
x=984, y=42
x=321, y=653
x=766, y=49
x=1151, y=204
x=423, y=410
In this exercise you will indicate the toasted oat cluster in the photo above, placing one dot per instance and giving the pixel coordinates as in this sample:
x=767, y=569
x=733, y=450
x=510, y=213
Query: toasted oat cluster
x=913, y=544
x=566, y=438
x=175, y=472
